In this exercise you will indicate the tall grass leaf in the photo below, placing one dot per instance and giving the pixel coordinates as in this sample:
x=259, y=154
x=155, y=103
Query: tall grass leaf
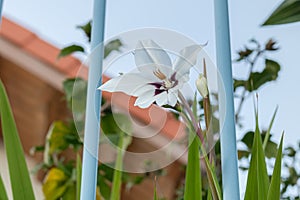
x=193, y=187
x=155, y=191
x=19, y=176
x=209, y=196
x=215, y=188
x=212, y=178
x=258, y=180
x=269, y=129
x=125, y=139
x=3, y=195
x=117, y=179
x=78, y=176
x=287, y=12
x=274, y=190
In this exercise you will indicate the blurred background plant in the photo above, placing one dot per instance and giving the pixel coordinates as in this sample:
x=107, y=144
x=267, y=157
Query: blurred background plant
x=251, y=56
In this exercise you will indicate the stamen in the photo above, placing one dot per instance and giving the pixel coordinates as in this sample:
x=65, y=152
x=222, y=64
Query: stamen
x=159, y=74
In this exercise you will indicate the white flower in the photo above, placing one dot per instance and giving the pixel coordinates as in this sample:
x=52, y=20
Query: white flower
x=156, y=78
x=201, y=84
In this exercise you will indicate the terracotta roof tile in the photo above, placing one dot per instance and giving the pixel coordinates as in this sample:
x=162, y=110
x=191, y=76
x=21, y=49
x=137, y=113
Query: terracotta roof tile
x=15, y=33
x=71, y=67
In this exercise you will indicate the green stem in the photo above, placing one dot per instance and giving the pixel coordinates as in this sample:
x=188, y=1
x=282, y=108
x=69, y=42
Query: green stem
x=117, y=179
x=243, y=96
x=195, y=124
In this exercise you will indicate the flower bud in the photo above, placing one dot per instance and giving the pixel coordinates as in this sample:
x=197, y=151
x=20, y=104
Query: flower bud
x=201, y=84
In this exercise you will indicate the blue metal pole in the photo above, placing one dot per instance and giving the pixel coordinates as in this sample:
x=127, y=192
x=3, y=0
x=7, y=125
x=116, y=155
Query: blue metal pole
x=1, y=5
x=92, y=121
x=228, y=136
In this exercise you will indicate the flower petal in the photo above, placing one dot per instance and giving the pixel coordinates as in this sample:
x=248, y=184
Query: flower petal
x=162, y=99
x=145, y=99
x=130, y=84
x=172, y=98
x=148, y=52
x=148, y=71
x=186, y=59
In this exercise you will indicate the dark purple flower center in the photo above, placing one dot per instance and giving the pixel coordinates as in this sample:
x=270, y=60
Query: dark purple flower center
x=165, y=85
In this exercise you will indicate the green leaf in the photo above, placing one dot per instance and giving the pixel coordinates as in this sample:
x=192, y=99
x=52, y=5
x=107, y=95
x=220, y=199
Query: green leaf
x=75, y=90
x=104, y=187
x=87, y=29
x=70, y=193
x=287, y=12
x=155, y=191
x=125, y=127
x=193, y=188
x=239, y=83
x=56, y=142
x=274, y=190
x=69, y=50
x=113, y=125
x=3, y=195
x=78, y=176
x=248, y=139
x=269, y=129
x=19, y=176
x=270, y=73
x=243, y=154
x=257, y=79
x=193, y=185
x=258, y=180
x=117, y=180
x=111, y=46
x=271, y=149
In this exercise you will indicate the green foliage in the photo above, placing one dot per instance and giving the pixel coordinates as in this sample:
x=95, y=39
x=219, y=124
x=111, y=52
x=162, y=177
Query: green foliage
x=257, y=79
x=56, y=184
x=19, y=176
x=268, y=133
x=78, y=176
x=270, y=150
x=3, y=195
x=69, y=50
x=113, y=45
x=65, y=135
x=252, y=53
x=274, y=190
x=258, y=185
x=87, y=29
x=258, y=180
x=290, y=180
x=193, y=185
x=287, y=12
x=75, y=90
x=124, y=141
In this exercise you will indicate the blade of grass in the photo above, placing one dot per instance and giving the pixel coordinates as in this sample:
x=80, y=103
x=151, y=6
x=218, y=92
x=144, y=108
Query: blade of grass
x=78, y=176
x=155, y=191
x=274, y=190
x=117, y=179
x=258, y=180
x=3, y=195
x=193, y=187
x=19, y=176
x=269, y=129
x=212, y=178
x=287, y=12
x=211, y=175
x=209, y=196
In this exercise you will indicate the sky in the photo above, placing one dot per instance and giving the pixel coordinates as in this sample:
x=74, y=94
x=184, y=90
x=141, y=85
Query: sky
x=55, y=21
